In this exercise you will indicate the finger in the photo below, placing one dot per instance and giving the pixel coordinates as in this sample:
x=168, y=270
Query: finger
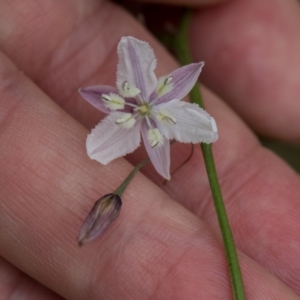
x=16, y=285
x=237, y=152
x=156, y=249
x=251, y=52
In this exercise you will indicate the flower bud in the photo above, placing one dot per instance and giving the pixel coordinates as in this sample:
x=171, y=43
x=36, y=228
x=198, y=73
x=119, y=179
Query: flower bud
x=103, y=213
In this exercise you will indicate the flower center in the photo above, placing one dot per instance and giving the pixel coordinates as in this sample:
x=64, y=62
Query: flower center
x=141, y=109
x=144, y=109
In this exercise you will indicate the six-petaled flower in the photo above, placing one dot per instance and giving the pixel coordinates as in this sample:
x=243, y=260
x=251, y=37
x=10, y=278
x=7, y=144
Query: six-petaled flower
x=143, y=105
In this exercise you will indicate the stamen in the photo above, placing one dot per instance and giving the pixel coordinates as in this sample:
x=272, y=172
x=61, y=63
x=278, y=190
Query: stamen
x=171, y=120
x=125, y=86
x=165, y=116
x=132, y=105
x=164, y=85
x=126, y=121
x=168, y=80
x=139, y=99
x=148, y=121
x=155, y=138
x=129, y=90
x=106, y=98
x=113, y=101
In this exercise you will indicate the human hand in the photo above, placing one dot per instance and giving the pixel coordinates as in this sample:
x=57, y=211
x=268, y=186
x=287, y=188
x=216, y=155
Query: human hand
x=157, y=248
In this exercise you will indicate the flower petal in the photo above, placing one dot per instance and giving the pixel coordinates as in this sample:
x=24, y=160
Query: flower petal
x=183, y=80
x=136, y=66
x=92, y=94
x=160, y=156
x=108, y=141
x=191, y=123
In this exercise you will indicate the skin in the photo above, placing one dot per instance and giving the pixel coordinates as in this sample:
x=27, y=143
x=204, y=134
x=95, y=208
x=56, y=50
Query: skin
x=166, y=242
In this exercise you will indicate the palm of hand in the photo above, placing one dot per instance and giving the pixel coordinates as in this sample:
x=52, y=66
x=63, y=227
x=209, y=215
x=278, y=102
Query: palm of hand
x=157, y=249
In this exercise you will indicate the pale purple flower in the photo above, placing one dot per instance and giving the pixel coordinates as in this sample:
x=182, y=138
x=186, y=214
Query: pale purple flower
x=143, y=105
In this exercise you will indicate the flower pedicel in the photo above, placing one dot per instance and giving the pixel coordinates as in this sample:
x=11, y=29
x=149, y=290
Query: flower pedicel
x=143, y=105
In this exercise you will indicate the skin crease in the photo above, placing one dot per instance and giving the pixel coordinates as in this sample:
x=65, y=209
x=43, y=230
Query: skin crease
x=157, y=249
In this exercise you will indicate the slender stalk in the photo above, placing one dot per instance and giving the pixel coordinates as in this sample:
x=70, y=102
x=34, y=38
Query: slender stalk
x=120, y=190
x=230, y=250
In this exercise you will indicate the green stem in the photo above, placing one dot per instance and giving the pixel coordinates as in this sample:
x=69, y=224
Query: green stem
x=120, y=190
x=195, y=95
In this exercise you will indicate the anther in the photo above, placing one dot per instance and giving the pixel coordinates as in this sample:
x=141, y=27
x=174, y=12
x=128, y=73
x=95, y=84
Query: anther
x=170, y=120
x=155, y=138
x=125, y=86
x=106, y=98
x=168, y=80
x=129, y=90
x=113, y=101
x=165, y=116
x=126, y=120
x=164, y=85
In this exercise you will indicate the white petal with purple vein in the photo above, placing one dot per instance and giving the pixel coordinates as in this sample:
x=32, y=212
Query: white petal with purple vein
x=136, y=66
x=183, y=80
x=108, y=141
x=93, y=95
x=160, y=156
x=193, y=124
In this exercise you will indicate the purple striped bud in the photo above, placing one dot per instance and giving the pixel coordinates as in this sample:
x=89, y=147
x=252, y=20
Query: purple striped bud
x=103, y=213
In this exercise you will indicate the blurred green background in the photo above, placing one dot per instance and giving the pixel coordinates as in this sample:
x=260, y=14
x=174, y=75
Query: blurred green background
x=290, y=153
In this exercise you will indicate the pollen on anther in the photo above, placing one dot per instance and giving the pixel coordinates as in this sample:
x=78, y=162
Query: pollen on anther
x=113, y=101
x=129, y=90
x=164, y=116
x=126, y=121
x=155, y=138
x=164, y=85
